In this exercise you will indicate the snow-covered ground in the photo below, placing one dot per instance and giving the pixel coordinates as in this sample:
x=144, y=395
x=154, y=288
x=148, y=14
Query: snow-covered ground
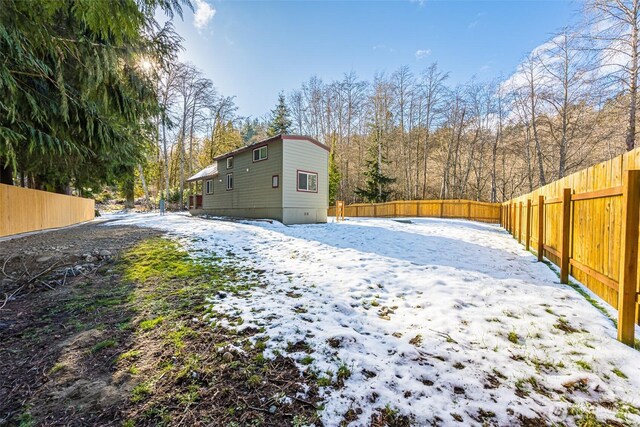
x=447, y=321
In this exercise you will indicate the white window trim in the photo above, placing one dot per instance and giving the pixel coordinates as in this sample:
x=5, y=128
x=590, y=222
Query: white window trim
x=275, y=181
x=253, y=154
x=307, y=189
x=230, y=158
x=230, y=175
x=208, y=183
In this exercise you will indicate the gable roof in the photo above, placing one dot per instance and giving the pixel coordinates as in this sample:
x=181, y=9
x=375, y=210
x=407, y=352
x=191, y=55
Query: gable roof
x=268, y=141
x=208, y=172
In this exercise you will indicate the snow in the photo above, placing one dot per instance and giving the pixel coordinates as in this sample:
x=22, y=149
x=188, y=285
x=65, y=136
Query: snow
x=421, y=315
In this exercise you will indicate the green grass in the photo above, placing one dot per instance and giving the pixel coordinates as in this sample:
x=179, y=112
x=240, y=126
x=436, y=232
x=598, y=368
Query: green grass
x=129, y=355
x=619, y=373
x=306, y=360
x=513, y=337
x=584, y=365
x=103, y=344
x=140, y=392
x=58, y=367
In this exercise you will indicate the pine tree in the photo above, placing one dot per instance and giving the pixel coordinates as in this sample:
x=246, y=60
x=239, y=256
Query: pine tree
x=334, y=178
x=76, y=105
x=377, y=184
x=280, y=123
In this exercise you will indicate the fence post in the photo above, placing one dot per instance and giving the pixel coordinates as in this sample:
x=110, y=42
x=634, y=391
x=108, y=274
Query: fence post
x=468, y=210
x=441, y=208
x=565, y=247
x=528, y=229
x=628, y=285
x=540, y=228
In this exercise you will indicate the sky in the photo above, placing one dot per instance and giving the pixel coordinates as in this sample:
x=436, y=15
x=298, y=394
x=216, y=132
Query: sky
x=255, y=49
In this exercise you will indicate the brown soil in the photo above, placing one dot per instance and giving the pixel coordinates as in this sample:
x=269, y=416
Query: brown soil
x=76, y=350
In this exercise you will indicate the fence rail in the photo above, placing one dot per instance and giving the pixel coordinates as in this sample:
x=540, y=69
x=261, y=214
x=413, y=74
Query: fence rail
x=588, y=225
x=23, y=210
x=464, y=209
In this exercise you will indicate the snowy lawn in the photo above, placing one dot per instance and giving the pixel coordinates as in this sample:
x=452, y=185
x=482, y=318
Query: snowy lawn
x=441, y=321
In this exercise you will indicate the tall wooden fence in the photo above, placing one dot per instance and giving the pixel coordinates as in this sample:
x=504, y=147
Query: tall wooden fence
x=587, y=224
x=464, y=209
x=23, y=210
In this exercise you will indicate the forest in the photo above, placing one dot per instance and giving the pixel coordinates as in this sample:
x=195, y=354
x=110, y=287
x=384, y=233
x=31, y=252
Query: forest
x=89, y=103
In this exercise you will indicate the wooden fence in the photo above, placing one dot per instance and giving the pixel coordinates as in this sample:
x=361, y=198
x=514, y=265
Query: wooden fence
x=464, y=209
x=23, y=210
x=587, y=224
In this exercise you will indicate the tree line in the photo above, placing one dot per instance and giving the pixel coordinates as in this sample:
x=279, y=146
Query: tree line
x=89, y=102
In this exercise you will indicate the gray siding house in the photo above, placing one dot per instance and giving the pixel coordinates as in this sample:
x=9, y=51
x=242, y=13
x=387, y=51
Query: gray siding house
x=285, y=178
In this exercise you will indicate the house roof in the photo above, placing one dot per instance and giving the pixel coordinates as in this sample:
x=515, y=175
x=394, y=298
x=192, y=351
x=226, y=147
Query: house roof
x=212, y=170
x=268, y=141
x=208, y=172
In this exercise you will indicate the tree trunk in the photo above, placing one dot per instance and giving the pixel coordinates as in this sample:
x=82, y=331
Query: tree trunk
x=630, y=140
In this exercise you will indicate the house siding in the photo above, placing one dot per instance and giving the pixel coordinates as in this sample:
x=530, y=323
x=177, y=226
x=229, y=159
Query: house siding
x=252, y=195
x=300, y=206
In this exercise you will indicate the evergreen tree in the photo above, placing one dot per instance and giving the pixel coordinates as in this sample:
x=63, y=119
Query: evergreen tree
x=377, y=184
x=334, y=178
x=280, y=118
x=77, y=104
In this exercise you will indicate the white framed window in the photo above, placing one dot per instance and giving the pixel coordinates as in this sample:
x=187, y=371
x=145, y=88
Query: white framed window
x=229, y=181
x=230, y=162
x=208, y=186
x=275, y=181
x=308, y=181
x=260, y=153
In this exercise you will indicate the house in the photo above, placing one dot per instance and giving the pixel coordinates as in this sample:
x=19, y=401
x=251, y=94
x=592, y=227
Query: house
x=284, y=178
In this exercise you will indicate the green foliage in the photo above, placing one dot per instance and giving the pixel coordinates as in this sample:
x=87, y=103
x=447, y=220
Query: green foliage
x=280, y=122
x=377, y=183
x=334, y=178
x=102, y=345
x=76, y=105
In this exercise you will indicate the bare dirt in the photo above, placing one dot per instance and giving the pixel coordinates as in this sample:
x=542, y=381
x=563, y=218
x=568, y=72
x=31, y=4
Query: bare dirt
x=86, y=339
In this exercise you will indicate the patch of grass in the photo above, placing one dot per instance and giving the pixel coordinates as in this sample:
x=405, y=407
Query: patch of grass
x=26, y=419
x=343, y=372
x=254, y=381
x=513, y=337
x=306, y=360
x=103, y=344
x=178, y=336
x=129, y=355
x=584, y=365
x=324, y=381
x=585, y=417
x=619, y=373
x=140, y=392
x=149, y=324
x=58, y=367
x=563, y=325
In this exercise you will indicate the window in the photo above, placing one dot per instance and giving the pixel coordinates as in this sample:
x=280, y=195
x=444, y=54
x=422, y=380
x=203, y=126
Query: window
x=229, y=181
x=275, y=181
x=230, y=162
x=308, y=181
x=208, y=186
x=260, y=154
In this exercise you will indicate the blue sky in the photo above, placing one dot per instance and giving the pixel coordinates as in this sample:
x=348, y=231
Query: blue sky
x=255, y=49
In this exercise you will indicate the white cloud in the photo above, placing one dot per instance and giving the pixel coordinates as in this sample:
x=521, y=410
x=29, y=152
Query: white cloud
x=421, y=53
x=203, y=15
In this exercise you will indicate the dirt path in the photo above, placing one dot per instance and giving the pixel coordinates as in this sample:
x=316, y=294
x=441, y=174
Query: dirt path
x=97, y=328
